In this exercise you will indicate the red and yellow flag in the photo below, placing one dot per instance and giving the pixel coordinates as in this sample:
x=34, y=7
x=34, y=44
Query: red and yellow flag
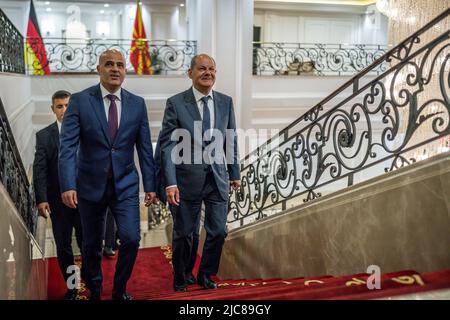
x=35, y=53
x=140, y=53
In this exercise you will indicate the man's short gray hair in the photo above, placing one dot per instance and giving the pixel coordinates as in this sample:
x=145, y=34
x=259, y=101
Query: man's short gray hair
x=194, y=59
x=108, y=51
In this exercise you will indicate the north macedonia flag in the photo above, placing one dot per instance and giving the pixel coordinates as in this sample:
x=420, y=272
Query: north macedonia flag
x=140, y=53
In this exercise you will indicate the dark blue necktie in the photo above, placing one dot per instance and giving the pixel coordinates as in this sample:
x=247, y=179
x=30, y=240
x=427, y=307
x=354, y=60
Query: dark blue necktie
x=206, y=123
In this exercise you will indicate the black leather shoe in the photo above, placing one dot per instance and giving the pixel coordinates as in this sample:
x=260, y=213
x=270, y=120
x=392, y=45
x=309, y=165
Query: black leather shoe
x=121, y=296
x=71, y=294
x=179, y=283
x=179, y=288
x=205, y=281
x=108, y=252
x=190, y=279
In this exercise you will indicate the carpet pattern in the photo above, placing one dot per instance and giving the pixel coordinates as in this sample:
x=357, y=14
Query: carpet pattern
x=152, y=280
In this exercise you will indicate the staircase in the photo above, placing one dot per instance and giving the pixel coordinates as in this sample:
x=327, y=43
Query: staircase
x=336, y=191
x=152, y=280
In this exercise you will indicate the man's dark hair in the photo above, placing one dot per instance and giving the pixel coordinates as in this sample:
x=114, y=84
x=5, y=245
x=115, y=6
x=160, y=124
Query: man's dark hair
x=60, y=94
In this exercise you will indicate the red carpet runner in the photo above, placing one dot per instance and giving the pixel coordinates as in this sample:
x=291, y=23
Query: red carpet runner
x=152, y=279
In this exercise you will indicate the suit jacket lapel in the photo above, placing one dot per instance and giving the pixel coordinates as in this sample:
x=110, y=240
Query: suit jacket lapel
x=217, y=110
x=99, y=110
x=191, y=105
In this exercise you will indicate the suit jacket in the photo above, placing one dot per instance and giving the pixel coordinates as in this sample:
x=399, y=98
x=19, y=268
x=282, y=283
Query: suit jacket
x=159, y=175
x=181, y=112
x=87, y=152
x=45, y=165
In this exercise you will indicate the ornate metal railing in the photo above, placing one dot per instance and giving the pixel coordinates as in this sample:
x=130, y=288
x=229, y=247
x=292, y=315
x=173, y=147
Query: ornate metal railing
x=11, y=47
x=81, y=55
x=363, y=129
x=157, y=214
x=272, y=58
x=13, y=175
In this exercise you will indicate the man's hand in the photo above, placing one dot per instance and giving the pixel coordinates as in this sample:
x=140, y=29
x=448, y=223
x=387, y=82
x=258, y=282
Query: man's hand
x=70, y=199
x=43, y=208
x=235, y=184
x=150, y=197
x=173, y=196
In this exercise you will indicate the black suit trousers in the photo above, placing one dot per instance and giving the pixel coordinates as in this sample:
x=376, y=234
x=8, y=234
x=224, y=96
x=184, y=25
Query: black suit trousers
x=64, y=220
x=185, y=219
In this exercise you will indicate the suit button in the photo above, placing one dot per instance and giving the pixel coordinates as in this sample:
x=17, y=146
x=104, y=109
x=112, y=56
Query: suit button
x=113, y=150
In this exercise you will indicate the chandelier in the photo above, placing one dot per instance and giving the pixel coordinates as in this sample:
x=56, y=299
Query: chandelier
x=382, y=6
x=387, y=8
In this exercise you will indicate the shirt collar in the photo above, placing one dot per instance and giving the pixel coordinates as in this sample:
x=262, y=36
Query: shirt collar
x=198, y=95
x=105, y=92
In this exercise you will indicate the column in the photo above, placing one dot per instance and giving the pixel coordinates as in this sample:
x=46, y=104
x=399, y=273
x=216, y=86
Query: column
x=224, y=30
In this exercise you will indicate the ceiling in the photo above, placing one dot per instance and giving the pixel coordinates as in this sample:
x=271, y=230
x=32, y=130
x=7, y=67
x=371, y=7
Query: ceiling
x=333, y=2
x=177, y=2
x=165, y=2
x=114, y=6
x=354, y=6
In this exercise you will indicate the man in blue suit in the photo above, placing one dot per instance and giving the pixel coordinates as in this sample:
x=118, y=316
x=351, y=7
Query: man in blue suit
x=101, y=128
x=190, y=179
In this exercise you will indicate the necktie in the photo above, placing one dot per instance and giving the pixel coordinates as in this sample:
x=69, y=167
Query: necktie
x=206, y=122
x=112, y=117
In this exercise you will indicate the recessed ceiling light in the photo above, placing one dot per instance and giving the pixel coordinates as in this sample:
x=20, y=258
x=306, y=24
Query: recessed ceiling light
x=102, y=11
x=48, y=9
x=106, y=5
x=181, y=4
x=47, y=3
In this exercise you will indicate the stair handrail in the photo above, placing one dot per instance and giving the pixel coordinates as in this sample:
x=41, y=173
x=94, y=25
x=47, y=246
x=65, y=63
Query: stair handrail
x=384, y=58
x=11, y=54
x=13, y=175
x=270, y=178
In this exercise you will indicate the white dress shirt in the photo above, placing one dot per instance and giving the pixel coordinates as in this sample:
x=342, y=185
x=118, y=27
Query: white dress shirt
x=107, y=102
x=59, y=126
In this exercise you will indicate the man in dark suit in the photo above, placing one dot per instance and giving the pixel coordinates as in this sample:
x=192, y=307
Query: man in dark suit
x=102, y=126
x=203, y=119
x=47, y=191
x=161, y=194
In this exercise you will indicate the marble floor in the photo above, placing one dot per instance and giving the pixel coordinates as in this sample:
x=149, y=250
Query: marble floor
x=443, y=294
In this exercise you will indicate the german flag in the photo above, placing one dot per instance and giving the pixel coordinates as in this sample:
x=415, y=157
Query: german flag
x=35, y=53
x=140, y=53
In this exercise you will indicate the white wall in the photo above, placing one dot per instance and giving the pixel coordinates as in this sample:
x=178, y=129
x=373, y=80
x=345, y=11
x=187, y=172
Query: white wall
x=17, y=12
x=182, y=27
x=191, y=9
x=119, y=16
x=373, y=27
x=320, y=27
x=16, y=95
